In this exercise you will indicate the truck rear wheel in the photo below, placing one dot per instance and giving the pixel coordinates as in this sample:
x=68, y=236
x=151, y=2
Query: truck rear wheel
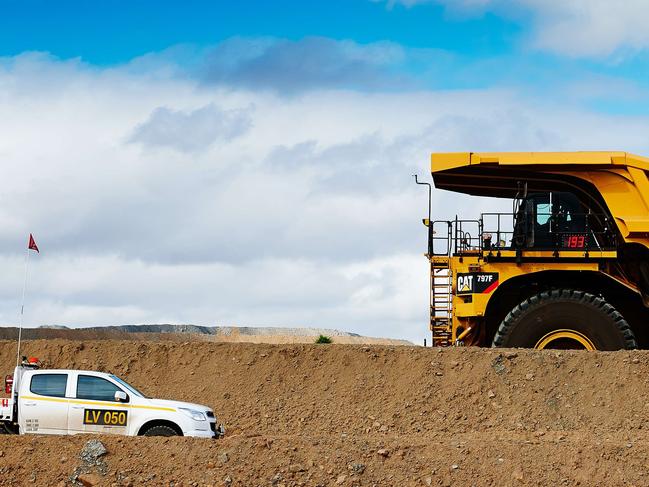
x=565, y=319
x=160, y=430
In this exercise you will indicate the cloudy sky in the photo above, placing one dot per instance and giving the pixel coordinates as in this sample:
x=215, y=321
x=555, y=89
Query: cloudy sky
x=251, y=163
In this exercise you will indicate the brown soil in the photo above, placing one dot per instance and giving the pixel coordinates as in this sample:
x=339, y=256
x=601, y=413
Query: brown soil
x=362, y=415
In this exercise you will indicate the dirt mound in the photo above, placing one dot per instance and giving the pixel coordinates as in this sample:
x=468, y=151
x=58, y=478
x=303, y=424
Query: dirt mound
x=363, y=415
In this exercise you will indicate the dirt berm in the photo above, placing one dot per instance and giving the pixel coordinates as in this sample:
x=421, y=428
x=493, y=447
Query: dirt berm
x=360, y=415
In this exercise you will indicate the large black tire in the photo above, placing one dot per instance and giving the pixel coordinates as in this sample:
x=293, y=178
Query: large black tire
x=575, y=311
x=161, y=430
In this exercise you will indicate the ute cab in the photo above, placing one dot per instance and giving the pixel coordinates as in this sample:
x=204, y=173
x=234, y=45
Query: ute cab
x=63, y=401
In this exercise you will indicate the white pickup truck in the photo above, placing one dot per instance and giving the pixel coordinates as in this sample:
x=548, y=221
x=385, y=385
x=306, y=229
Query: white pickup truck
x=78, y=401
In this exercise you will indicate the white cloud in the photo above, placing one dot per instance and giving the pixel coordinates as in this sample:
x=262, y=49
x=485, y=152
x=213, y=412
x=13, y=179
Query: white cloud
x=579, y=28
x=289, y=66
x=308, y=217
x=591, y=28
x=191, y=131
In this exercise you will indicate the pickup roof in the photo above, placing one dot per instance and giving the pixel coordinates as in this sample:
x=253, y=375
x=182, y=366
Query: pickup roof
x=66, y=401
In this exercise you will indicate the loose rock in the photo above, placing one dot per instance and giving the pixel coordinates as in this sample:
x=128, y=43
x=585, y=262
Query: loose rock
x=89, y=479
x=92, y=451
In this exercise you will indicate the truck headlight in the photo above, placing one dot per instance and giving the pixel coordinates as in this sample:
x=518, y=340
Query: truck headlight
x=192, y=413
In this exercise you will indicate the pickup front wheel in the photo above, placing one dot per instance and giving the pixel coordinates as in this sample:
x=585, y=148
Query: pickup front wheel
x=160, y=430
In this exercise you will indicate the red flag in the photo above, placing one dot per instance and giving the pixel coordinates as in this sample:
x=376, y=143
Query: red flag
x=32, y=244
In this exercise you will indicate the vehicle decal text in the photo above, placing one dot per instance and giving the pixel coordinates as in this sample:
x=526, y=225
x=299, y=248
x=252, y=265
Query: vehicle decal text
x=31, y=425
x=105, y=417
x=476, y=283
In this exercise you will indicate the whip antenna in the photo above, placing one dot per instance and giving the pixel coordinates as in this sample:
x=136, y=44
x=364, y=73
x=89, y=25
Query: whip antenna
x=31, y=245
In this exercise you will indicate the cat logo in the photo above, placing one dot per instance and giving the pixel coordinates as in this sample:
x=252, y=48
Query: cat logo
x=477, y=283
x=464, y=283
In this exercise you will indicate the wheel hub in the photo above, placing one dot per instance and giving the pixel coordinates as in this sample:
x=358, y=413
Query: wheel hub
x=565, y=339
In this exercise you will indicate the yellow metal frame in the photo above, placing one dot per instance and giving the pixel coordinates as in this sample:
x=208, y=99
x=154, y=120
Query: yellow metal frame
x=441, y=161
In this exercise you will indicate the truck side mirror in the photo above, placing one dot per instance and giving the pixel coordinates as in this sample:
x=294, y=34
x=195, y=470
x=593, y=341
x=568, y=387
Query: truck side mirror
x=121, y=396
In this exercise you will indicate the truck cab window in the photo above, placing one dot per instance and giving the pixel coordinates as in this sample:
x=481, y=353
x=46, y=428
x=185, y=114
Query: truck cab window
x=543, y=213
x=49, y=384
x=550, y=220
x=96, y=388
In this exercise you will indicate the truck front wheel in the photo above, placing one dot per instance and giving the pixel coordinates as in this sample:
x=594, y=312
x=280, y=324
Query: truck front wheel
x=565, y=319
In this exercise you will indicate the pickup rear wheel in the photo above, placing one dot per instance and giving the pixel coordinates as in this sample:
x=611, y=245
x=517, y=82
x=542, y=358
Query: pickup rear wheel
x=160, y=430
x=8, y=429
x=565, y=319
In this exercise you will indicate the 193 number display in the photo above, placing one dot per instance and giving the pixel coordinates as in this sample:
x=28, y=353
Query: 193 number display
x=575, y=241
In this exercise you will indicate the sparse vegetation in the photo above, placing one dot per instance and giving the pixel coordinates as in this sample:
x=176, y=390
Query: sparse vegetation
x=323, y=339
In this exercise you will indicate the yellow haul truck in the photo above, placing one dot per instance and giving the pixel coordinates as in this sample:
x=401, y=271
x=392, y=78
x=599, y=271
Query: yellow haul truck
x=567, y=268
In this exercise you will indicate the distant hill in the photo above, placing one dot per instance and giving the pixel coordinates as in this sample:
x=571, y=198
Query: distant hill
x=185, y=332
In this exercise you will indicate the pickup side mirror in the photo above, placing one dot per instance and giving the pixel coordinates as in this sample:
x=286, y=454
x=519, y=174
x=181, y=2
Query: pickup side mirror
x=121, y=396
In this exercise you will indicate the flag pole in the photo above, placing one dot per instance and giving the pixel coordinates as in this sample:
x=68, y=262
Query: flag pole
x=22, y=307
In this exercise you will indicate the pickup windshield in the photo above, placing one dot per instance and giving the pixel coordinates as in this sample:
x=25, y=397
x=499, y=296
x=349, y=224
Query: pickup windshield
x=132, y=389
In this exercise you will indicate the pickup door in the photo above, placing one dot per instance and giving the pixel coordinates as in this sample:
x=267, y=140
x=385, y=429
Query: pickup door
x=93, y=408
x=42, y=404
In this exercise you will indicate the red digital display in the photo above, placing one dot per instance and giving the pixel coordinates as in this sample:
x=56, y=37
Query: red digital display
x=574, y=241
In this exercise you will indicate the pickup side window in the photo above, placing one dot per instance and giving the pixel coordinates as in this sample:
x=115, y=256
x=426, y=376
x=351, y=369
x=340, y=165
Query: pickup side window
x=96, y=388
x=49, y=384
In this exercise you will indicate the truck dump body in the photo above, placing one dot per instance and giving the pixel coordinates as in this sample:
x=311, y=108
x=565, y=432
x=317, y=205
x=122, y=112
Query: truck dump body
x=616, y=180
x=578, y=235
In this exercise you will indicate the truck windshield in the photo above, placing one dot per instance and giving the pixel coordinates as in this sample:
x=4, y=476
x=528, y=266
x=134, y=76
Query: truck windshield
x=128, y=386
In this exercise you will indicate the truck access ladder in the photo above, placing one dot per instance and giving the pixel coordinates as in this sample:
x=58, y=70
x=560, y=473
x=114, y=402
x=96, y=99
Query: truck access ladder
x=441, y=301
x=441, y=285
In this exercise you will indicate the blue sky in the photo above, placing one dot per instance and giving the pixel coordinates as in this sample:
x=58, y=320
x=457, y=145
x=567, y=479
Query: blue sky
x=113, y=32
x=251, y=163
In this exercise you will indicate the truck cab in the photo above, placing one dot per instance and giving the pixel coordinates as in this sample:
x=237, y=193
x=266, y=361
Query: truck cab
x=64, y=401
x=554, y=220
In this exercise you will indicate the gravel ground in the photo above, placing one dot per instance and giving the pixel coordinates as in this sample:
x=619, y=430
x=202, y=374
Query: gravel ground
x=359, y=415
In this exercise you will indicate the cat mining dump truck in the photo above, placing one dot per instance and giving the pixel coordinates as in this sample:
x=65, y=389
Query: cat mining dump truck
x=568, y=268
